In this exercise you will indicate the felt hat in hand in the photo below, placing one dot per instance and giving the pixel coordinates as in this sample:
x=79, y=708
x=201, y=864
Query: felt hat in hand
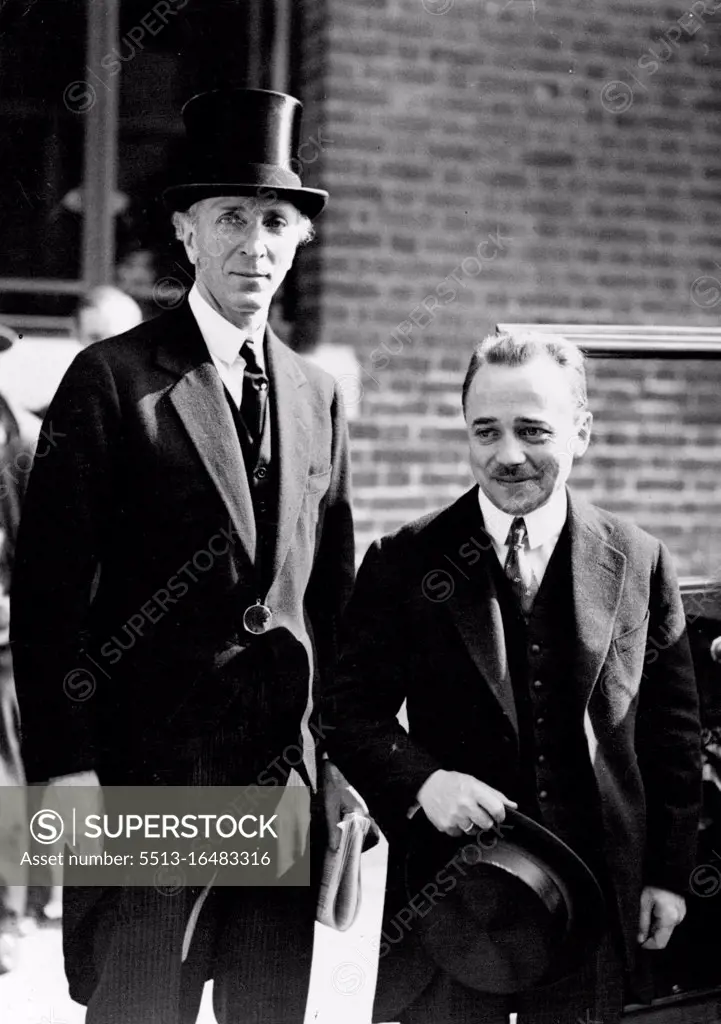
x=510, y=909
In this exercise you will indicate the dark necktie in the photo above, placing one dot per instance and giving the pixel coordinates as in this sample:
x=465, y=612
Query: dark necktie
x=255, y=393
x=516, y=567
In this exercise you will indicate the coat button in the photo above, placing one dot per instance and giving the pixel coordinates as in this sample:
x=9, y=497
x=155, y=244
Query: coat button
x=537, y=684
x=543, y=794
x=535, y=648
x=540, y=720
x=261, y=472
x=541, y=758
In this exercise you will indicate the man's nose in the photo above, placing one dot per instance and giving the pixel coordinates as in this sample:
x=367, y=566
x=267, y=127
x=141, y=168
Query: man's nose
x=509, y=451
x=253, y=243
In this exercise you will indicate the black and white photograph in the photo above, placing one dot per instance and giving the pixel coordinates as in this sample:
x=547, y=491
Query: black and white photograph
x=360, y=512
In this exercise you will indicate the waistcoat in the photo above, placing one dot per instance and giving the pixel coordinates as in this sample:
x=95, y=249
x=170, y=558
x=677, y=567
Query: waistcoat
x=557, y=784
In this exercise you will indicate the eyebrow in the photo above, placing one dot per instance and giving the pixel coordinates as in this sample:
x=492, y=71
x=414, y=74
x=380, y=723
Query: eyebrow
x=488, y=420
x=244, y=208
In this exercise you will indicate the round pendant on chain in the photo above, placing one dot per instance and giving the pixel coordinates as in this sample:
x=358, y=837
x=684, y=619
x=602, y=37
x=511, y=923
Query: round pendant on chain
x=257, y=618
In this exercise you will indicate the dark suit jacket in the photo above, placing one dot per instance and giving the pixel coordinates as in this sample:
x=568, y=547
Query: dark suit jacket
x=424, y=625
x=135, y=558
x=135, y=561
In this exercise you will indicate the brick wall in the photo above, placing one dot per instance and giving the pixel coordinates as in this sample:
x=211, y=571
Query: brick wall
x=512, y=161
x=655, y=454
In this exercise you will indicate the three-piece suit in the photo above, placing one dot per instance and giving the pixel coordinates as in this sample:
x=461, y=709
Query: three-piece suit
x=586, y=713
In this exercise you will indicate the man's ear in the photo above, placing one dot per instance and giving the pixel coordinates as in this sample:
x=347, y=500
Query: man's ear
x=583, y=433
x=184, y=226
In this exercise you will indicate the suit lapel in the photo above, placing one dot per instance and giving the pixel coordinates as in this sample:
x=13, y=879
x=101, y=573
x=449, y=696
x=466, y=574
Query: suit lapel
x=199, y=400
x=597, y=572
x=291, y=414
x=474, y=605
x=597, y=575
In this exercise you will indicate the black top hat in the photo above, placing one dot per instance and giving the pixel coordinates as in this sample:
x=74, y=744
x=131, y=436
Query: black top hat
x=522, y=909
x=243, y=142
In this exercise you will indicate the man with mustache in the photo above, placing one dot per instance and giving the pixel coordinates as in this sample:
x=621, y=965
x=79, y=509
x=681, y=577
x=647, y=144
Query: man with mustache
x=539, y=644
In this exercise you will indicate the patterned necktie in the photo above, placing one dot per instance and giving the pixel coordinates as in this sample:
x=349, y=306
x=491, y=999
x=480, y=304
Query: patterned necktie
x=255, y=393
x=516, y=567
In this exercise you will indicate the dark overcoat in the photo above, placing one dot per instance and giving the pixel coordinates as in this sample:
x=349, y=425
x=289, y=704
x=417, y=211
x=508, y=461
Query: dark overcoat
x=424, y=626
x=137, y=556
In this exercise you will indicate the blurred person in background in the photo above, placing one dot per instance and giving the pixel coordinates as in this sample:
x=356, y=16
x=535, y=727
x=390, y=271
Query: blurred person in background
x=18, y=438
x=104, y=312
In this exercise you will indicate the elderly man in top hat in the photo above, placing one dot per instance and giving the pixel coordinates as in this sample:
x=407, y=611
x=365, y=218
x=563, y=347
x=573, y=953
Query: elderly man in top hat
x=197, y=431
x=540, y=645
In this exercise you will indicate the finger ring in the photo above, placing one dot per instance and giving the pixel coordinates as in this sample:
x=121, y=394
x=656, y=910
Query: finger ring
x=468, y=828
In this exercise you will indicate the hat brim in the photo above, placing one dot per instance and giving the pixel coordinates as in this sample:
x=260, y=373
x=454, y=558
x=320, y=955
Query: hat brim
x=310, y=201
x=491, y=931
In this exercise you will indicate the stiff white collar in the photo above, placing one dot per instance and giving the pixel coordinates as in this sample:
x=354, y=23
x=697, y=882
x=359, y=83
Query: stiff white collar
x=223, y=338
x=544, y=524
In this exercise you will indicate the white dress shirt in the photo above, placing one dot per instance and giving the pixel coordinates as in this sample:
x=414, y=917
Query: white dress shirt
x=544, y=526
x=224, y=341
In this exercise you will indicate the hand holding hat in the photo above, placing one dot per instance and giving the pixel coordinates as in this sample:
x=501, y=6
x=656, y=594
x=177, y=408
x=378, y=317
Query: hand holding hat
x=503, y=910
x=455, y=802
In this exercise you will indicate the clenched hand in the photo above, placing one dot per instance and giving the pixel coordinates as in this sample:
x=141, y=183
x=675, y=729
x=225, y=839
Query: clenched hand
x=661, y=911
